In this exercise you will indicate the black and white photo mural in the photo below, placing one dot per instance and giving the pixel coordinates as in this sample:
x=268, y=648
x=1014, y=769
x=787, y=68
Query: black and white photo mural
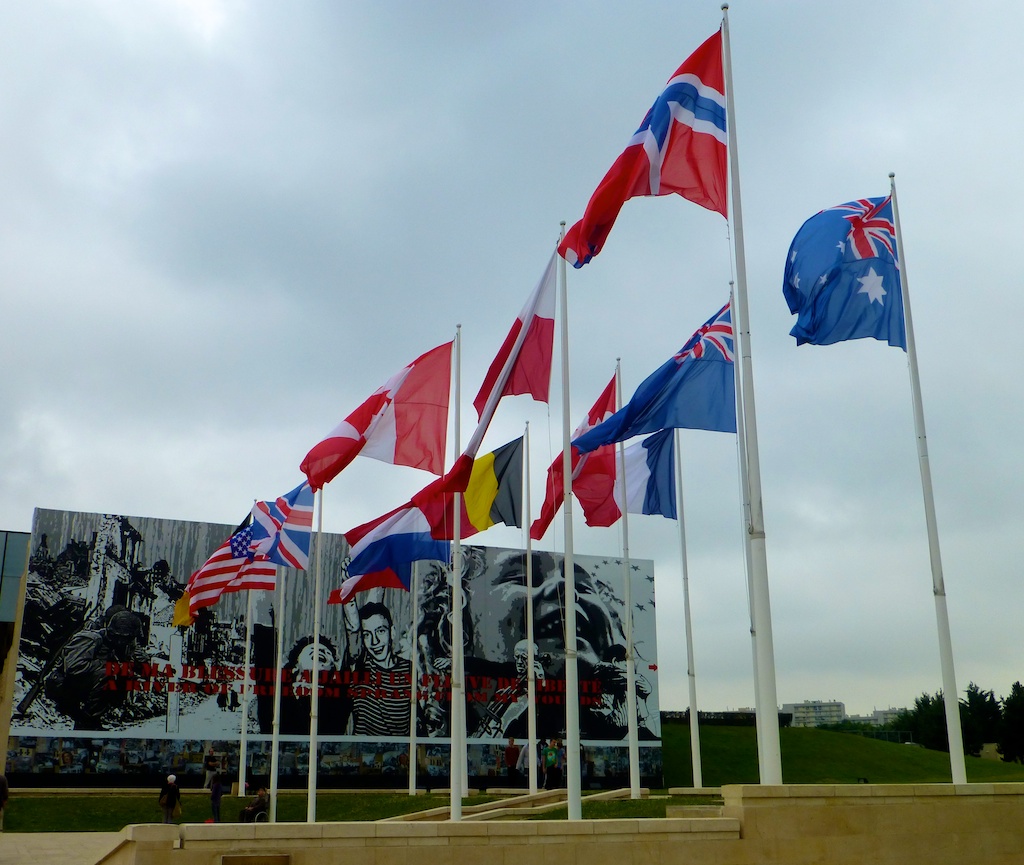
x=107, y=686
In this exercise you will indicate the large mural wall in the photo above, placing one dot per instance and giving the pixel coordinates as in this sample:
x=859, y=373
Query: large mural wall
x=107, y=686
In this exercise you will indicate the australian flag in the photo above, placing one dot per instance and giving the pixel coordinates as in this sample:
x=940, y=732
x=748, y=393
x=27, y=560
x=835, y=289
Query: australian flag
x=694, y=389
x=681, y=146
x=842, y=276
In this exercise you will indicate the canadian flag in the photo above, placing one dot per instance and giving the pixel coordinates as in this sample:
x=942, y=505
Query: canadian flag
x=404, y=422
x=593, y=475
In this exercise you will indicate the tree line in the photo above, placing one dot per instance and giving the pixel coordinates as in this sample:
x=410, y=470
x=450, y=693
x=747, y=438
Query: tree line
x=983, y=719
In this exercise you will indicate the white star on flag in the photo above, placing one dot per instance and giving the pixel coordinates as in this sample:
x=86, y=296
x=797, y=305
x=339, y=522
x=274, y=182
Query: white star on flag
x=871, y=285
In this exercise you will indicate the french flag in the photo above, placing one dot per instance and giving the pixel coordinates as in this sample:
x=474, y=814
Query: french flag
x=650, y=477
x=384, y=549
x=681, y=147
x=405, y=423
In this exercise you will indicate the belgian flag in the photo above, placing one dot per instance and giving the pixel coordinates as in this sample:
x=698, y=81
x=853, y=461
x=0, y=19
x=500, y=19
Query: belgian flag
x=493, y=495
x=495, y=491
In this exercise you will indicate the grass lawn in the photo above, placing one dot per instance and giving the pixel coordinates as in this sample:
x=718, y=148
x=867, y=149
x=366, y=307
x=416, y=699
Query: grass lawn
x=729, y=754
x=810, y=756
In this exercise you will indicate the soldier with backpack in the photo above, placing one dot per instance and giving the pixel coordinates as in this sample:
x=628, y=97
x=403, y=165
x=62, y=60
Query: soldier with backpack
x=79, y=683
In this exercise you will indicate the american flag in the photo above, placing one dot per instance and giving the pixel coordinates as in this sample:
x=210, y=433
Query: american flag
x=232, y=568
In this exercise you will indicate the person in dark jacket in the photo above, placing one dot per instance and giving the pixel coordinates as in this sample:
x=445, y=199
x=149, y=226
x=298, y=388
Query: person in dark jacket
x=216, y=794
x=170, y=798
x=259, y=805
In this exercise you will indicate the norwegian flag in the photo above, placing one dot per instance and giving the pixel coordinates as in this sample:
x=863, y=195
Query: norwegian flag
x=693, y=389
x=871, y=229
x=680, y=147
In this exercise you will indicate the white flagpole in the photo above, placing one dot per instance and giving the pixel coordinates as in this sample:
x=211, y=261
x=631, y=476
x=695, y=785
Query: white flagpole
x=770, y=754
x=691, y=672
x=247, y=684
x=314, y=694
x=275, y=742
x=457, y=714
x=748, y=568
x=957, y=763
x=572, y=684
x=413, y=642
x=531, y=678
x=627, y=597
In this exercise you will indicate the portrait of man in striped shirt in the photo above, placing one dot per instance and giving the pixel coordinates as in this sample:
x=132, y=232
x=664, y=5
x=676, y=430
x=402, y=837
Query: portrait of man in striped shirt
x=380, y=696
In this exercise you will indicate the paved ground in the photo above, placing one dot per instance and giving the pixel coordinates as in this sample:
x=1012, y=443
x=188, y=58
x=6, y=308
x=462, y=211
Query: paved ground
x=55, y=848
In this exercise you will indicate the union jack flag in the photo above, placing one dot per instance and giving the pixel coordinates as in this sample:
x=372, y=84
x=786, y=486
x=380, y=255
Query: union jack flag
x=714, y=335
x=282, y=528
x=871, y=227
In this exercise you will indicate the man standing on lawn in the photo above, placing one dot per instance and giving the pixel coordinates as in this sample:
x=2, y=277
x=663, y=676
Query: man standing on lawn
x=211, y=764
x=512, y=751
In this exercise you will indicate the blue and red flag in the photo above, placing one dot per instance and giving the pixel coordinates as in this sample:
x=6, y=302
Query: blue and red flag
x=281, y=529
x=680, y=147
x=694, y=389
x=842, y=276
x=384, y=549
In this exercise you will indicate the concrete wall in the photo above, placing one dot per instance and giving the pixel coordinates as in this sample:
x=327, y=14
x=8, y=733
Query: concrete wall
x=784, y=825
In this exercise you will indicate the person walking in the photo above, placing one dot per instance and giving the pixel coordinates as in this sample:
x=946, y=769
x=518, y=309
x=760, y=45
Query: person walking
x=216, y=794
x=170, y=799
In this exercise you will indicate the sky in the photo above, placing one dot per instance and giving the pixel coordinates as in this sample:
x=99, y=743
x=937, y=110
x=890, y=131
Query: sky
x=223, y=224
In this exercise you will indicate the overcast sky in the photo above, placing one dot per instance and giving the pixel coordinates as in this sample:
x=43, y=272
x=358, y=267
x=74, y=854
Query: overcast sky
x=224, y=224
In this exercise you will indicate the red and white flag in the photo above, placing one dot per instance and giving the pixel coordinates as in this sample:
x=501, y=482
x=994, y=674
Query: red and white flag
x=405, y=423
x=593, y=475
x=523, y=365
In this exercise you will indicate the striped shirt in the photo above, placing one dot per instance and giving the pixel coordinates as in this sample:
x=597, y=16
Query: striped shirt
x=381, y=707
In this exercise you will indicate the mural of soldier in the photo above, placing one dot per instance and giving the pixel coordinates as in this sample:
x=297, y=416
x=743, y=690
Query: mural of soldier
x=81, y=684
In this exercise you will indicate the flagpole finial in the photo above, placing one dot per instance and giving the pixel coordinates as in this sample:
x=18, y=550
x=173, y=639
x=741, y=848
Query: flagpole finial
x=725, y=7
x=892, y=175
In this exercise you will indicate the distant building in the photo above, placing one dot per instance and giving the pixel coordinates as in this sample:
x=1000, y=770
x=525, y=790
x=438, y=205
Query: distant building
x=815, y=713
x=879, y=718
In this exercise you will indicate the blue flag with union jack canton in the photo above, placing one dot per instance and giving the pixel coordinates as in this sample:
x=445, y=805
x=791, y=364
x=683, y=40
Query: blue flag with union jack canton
x=842, y=276
x=694, y=389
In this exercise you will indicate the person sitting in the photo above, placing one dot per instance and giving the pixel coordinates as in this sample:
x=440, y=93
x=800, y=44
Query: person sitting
x=259, y=805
